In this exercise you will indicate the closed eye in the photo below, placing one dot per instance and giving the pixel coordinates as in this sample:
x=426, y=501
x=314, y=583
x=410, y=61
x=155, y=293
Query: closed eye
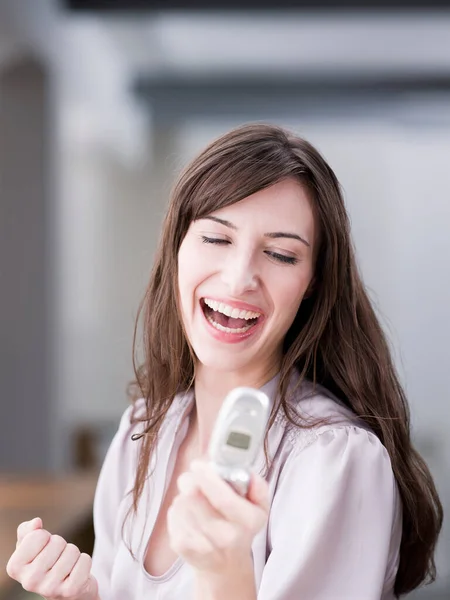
x=208, y=240
x=282, y=258
x=289, y=260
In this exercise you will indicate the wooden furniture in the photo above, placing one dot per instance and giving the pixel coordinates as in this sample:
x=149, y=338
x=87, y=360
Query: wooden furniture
x=64, y=503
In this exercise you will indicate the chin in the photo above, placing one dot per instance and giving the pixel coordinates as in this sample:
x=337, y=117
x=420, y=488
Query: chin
x=225, y=361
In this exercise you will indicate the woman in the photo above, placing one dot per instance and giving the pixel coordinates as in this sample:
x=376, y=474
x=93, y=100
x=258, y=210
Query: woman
x=255, y=283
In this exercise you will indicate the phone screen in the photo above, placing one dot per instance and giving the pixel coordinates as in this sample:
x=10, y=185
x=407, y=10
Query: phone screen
x=238, y=440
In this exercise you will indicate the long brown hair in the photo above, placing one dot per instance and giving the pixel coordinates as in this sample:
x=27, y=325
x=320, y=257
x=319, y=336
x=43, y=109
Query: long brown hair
x=335, y=339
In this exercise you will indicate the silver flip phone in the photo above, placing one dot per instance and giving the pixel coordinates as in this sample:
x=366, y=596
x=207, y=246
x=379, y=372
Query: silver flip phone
x=238, y=435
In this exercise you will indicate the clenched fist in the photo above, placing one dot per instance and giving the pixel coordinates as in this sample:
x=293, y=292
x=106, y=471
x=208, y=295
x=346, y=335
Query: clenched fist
x=47, y=565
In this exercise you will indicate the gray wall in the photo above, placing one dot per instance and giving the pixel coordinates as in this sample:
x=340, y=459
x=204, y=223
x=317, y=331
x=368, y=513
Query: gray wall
x=25, y=268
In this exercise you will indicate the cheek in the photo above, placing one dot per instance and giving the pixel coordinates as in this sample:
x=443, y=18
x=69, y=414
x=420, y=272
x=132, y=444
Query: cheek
x=288, y=293
x=183, y=281
x=192, y=271
x=188, y=279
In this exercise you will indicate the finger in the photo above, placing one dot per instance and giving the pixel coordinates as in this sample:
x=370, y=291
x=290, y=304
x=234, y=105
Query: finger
x=65, y=563
x=48, y=557
x=198, y=507
x=29, y=548
x=203, y=514
x=27, y=527
x=185, y=534
x=204, y=518
x=186, y=484
x=79, y=578
x=222, y=534
x=258, y=492
x=31, y=545
x=50, y=586
x=34, y=573
x=225, y=500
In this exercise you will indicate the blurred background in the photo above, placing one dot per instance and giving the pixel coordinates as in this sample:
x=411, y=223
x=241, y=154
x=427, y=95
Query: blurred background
x=101, y=104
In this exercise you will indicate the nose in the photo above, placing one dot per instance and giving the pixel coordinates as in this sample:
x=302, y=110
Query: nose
x=240, y=274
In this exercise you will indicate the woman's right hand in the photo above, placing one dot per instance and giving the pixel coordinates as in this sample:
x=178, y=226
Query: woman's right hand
x=47, y=565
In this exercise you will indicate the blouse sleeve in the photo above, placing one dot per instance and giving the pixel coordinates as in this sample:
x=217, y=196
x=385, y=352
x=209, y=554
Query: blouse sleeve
x=331, y=520
x=111, y=488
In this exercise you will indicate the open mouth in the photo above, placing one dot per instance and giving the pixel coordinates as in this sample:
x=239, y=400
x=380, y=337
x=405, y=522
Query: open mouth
x=227, y=319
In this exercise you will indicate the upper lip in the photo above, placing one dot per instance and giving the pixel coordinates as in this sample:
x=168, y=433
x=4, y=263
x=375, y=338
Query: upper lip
x=236, y=304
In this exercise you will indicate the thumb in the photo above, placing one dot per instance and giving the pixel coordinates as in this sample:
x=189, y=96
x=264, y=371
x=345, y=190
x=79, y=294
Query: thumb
x=258, y=492
x=26, y=527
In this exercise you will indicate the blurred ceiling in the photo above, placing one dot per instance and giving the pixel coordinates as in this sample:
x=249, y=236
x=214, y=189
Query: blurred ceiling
x=97, y=57
x=257, y=5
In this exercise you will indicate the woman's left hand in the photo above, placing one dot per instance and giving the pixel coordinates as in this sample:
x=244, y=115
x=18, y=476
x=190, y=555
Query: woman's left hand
x=211, y=526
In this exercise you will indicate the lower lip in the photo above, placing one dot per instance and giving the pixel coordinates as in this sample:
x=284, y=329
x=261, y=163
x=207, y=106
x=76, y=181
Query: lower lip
x=231, y=338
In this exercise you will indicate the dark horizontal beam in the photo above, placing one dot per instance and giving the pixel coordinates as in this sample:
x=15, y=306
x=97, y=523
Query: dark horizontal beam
x=254, y=5
x=181, y=97
x=320, y=86
x=340, y=80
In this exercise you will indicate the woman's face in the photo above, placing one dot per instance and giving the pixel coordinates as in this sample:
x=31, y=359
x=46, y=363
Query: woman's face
x=242, y=274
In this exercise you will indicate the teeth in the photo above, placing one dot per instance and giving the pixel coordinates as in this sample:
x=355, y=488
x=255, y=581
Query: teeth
x=228, y=329
x=229, y=311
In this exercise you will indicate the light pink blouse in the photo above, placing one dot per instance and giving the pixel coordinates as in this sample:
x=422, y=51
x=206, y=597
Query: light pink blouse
x=335, y=521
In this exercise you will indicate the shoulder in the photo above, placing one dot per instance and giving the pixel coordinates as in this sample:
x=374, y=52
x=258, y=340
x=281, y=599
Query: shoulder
x=330, y=432
x=334, y=503
x=337, y=463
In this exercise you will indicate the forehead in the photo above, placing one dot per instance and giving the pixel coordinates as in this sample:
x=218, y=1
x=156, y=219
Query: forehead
x=285, y=204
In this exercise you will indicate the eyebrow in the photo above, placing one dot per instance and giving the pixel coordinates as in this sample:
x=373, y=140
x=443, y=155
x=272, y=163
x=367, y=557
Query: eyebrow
x=272, y=234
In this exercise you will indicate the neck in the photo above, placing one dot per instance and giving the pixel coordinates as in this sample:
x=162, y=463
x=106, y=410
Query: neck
x=211, y=386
